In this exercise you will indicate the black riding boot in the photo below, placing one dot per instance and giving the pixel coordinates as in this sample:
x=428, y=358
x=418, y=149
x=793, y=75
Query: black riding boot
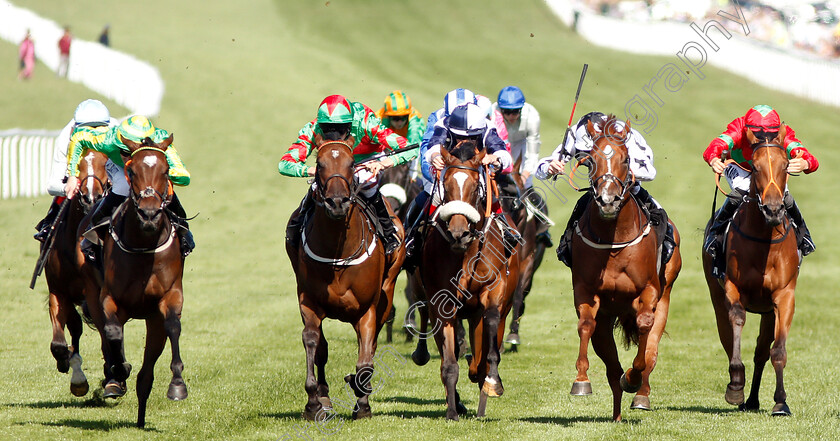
x=713, y=240
x=413, y=235
x=803, y=236
x=100, y=216
x=537, y=201
x=564, y=248
x=511, y=236
x=183, y=227
x=295, y=223
x=389, y=232
x=509, y=190
x=43, y=227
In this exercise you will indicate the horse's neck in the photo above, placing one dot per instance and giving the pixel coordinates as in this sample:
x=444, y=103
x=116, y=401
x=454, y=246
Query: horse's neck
x=336, y=235
x=625, y=227
x=127, y=223
x=751, y=221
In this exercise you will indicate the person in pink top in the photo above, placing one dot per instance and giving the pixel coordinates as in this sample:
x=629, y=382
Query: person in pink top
x=26, y=54
x=64, y=52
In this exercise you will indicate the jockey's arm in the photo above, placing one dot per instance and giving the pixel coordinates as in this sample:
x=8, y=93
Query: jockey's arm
x=641, y=157
x=531, y=156
x=293, y=162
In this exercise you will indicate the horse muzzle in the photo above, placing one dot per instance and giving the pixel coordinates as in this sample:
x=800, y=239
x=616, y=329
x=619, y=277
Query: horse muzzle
x=337, y=207
x=608, y=205
x=774, y=214
x=149, y=218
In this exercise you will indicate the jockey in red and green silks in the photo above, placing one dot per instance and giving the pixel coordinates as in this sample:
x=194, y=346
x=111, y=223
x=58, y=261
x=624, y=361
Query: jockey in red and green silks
x=764, y=122
x=341, y=120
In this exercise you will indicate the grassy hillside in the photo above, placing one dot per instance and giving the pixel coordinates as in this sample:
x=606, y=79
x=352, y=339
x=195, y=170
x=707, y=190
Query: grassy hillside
x=243, y=77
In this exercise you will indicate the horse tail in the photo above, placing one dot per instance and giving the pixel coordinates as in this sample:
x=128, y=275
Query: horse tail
x=86, y=317
x=630, y=331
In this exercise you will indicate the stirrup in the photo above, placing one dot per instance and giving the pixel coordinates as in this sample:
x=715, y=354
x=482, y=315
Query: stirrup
x=187, y=242
x=390, y=243
x=41, y=235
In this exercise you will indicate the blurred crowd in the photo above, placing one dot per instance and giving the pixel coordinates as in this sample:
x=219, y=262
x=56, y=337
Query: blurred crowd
x=807, y=25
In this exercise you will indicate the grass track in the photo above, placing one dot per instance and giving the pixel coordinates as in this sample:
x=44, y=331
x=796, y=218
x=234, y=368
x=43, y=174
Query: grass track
x=243, y=77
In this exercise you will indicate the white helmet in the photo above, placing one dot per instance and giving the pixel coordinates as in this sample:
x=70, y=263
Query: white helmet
x=456, y=98
x=484, y=104
x=91, y=113
x=467, y=120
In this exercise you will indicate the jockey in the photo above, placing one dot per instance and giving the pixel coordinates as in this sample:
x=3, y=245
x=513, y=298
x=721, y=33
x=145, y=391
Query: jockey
x=764, y=122
x=494, y=118
x=339, y=120
x=90, y=113
x=398, y=115
x=465, y=121
x=107, y=140
x=641, y=165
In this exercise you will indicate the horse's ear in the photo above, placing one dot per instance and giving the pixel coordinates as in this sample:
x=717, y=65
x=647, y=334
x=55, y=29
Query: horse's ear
x=317, y=140
x=167, y=142
x=627, y=126
x=132, y=146
x=751, y=137
x=780, y=138
x=591, y=128
x=351, y=141
x=446, y=155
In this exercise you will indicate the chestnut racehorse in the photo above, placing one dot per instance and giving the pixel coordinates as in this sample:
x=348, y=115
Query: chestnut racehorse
x=64, y=267
x=617, y=273
x=466, y=273
x=762, y=265
x=342, y=273
x=143, y=270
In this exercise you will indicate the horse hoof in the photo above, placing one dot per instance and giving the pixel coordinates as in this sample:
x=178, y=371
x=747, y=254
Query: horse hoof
x=468, y=358
x=733, y=396
x=492, y=387
x=62, y=355
x=363, y=412
x=114, y=389
x=79, y=390
x=627, y=387
x=780, y=409
x=420, y=358
x=326, y=403
x=581, y=388
x=641, y=402
x=177, y=391
x=311, y=414
x=512, y=339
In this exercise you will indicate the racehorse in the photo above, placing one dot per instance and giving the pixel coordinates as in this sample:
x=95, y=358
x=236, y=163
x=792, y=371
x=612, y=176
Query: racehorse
x=530, y=215
x=466, y=273
x=342, y=273
x=143, y=269
x=762, y=266
x=64, y=267
x=617, y=273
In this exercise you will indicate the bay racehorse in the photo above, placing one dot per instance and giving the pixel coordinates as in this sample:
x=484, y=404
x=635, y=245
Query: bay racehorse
x=342, y=273
x=466, y=273
x=617, y=274
x=64, y=267
x=142, y=273
x=762, y=266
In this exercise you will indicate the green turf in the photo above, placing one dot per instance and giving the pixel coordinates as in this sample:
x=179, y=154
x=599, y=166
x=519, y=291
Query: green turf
x=243, y=77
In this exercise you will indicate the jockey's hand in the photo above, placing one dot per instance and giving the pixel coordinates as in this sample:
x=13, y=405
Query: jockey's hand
x=374, y=167
x=525, y=175
x=71, y=187
x=797, y=165
x=717, y=165
x=556, y=167
x=310, y=171
x=437, y=162
x=491, y=159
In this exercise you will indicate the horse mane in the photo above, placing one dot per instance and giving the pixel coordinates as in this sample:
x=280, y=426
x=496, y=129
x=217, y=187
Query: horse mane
x=464, y=150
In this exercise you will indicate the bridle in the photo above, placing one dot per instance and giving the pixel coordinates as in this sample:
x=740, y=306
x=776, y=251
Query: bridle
x=760, y=197
x=321, y=184
x=467, y=208
x=149, y=191
x=609, y=176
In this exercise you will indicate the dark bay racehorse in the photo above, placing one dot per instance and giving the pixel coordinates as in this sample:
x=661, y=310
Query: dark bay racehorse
x=762, y=266
x=342, y=273
x=143, y=270
x=617, y=274
x=466, y=273
x=64, y=268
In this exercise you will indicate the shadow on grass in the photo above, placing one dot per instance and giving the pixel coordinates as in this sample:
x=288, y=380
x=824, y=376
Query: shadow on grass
x=95, y=401
x=570, y=421
x=101, y=426
x=700, y=409
x=416, y=401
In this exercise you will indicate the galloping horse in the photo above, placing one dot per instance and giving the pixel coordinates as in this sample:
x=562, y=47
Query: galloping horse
x=762, y=265
x=64, y=268
x=466, y=272
x=143, y=270
x=617, y=273
x=342, y=273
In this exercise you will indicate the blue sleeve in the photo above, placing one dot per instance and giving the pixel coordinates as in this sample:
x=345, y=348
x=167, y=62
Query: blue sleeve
x=424, y=146
x=492, y=142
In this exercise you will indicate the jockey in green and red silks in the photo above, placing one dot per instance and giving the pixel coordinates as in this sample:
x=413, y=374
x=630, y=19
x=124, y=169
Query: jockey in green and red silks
x=341, y=120
x=764, y=122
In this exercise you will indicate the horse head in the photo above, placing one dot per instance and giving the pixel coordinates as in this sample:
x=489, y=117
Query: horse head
x=769, y=176
x=94, y=178
x=609, y=165
x=334, y=180
x=148, y=175
x=462, y=192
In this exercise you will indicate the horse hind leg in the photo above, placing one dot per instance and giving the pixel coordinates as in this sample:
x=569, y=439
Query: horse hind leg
x=367, y=329
x=155, y=342
x=321, y=357
x=778, y=353
x=58, y=346
x=492, y=383
x=642, y=398
x=78, y=382
x=762, y=354
x=604, y=346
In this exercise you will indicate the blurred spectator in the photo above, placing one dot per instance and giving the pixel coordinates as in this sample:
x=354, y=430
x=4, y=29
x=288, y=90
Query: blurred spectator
x=103, y=37
x=26, y=54
x=64, y=52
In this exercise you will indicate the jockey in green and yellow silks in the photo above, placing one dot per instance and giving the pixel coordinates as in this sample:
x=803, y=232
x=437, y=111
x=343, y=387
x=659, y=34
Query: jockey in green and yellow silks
x=398, y=115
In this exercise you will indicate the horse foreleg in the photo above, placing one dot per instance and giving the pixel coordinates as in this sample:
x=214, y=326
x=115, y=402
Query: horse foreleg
x=120, y=369
x=586, y=327
x=737, y=316
x=778, y=353
x=311, y=336
x=762, y=354
x=155, y=342
x=645, y=319
x=78, y=381
x=492, y=382
x=366, y=331
x=321, y=357
x=604, y=345
x=172, y=324
x=421, y=355
x=642, y=398
x=447, y=346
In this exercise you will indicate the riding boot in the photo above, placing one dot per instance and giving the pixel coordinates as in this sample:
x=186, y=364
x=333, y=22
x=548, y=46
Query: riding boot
x=295, y=223
x=511, y=235
x=414, y=217
x=43, y=227
x=668, y=244
x=509, y=190
x=803, y=236
x=390, y=240
x=101, y=215
x=713, y=241
x=537, y=201
x=564, y=249
x=659, y=221
x=182, y=226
